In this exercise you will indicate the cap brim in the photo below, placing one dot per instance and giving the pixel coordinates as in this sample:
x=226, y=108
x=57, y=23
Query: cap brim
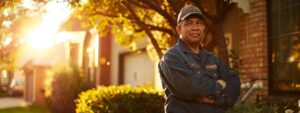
x=190, y=14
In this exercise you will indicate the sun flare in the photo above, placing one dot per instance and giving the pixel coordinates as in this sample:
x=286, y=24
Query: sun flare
x=44, y=35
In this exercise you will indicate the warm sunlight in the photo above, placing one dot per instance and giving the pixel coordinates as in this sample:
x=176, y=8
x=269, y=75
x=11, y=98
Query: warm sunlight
x=44, y=35
x=7, y=41
x=40, y=39
x=84, y=1
x=28, y=4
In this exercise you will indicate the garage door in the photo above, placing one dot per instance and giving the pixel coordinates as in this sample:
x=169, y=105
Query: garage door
x=138, y=69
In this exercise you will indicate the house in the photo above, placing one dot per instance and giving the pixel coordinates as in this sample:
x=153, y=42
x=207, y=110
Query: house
x=265, y=34
x=108, y=63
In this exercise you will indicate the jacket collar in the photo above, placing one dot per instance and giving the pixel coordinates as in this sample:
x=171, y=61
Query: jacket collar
x=203, y=53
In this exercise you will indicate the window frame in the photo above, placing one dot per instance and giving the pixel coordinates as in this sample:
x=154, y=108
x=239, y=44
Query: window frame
x=271, y=89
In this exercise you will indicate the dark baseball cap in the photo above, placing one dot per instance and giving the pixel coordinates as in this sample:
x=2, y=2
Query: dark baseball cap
x=187, y=11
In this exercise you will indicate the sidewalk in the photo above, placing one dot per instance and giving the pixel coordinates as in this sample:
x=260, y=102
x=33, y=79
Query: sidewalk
x=9, y=102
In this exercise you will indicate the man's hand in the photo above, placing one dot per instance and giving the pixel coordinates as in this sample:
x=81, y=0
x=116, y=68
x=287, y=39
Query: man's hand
x=205, y=100
x=222, y=83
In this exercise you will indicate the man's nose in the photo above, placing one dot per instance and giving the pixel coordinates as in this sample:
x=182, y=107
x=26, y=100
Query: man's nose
x=195, y=26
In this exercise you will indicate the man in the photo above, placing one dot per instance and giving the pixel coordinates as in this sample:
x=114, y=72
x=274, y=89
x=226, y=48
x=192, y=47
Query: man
x=194, y=80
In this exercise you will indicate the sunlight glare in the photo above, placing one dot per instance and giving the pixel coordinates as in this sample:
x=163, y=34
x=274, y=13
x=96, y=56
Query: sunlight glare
x=6, y=12
x=28, y=4
x=84, y=1
x=7, y=41
x=62, y=37
x=291, y=59
x=43, y=36
x=7, y=23
x=22, y=41
x=40, y=39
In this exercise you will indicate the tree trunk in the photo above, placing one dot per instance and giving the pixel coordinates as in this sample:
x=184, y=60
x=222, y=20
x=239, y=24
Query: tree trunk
x=218, y=33
x=154, y=43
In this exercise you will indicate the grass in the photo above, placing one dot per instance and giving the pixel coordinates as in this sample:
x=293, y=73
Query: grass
x=29, y=109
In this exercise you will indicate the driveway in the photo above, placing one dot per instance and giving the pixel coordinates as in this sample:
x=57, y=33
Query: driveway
x=8, y=102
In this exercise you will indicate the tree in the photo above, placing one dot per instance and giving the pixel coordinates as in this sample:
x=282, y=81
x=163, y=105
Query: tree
x=7, y=47
x=133, y=19
x=15, y=21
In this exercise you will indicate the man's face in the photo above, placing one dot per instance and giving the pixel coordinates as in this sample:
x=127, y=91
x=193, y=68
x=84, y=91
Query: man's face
x=191, y=29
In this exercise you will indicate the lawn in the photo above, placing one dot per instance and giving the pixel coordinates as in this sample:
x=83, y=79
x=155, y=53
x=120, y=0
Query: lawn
x=29, y=109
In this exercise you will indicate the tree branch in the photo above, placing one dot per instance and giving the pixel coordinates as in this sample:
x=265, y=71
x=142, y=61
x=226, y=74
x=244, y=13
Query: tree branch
x=138, y=30
x=104, y=14
x=171, y=20
x=152, y=27
x=205, y=13
x=143, y=26
x=174, y=6
x=138, y=4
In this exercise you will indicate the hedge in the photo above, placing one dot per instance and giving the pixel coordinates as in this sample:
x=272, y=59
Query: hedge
x=120, y=99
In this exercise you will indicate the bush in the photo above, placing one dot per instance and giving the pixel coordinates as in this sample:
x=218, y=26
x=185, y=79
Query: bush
x=120, y=99
x=253, y=108
x=63, y=87
x=273, y=105
x=284, y=104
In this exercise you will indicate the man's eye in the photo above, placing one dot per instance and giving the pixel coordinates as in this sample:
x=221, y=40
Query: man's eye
x=200, y=23
x=188, y=23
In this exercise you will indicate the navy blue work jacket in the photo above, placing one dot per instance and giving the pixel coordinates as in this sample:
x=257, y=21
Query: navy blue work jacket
x=186, y=76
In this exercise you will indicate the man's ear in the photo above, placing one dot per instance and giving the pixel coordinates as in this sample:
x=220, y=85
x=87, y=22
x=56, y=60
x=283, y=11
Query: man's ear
x=178, y=29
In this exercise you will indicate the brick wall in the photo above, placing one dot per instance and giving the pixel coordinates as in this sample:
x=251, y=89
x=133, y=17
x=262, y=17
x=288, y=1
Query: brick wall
x=253, y=45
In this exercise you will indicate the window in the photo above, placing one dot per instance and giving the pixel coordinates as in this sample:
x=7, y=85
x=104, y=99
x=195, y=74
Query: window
x=284, y=43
